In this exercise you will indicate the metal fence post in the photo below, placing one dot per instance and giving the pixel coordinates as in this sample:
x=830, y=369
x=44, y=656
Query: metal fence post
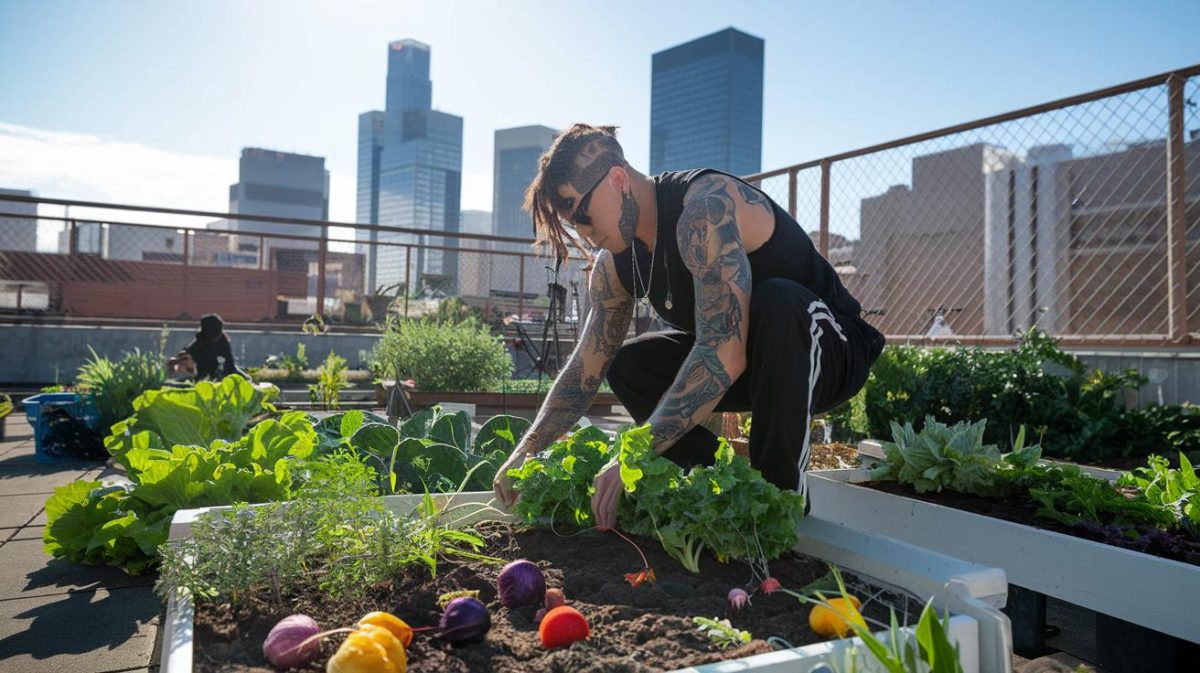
x=793, y=180
x=407, y=272
x=1176, y=223
x=322, y=246
x=73, y=238
x=521, y=289
x=823, y=236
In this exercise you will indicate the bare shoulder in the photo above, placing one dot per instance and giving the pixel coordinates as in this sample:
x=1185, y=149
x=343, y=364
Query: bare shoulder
x=718, y=198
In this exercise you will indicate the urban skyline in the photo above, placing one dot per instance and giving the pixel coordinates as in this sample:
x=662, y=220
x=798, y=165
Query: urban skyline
x=140, y=141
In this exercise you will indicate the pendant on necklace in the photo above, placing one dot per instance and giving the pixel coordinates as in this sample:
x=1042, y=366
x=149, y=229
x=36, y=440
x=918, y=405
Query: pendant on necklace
x=667, y=304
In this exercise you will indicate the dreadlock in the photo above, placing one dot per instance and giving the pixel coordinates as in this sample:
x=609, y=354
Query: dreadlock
x=578, y=156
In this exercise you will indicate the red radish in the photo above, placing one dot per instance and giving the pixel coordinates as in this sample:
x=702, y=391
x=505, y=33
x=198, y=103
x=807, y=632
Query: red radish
x=770, y=585
x=562, y=626
x=555, y=598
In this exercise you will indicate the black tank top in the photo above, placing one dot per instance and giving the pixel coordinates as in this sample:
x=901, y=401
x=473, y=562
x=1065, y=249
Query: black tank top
x=789, y=253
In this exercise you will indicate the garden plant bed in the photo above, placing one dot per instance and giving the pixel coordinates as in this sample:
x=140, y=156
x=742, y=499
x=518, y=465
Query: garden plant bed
x=633, y=629
x=1177, y=546
x=1129, y=585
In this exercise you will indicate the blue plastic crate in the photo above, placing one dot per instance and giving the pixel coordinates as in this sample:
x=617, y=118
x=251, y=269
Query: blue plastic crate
x=38, y=409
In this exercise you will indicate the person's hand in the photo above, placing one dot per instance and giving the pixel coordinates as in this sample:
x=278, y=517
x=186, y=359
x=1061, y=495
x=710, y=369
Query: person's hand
x=502, y=484
x=608, y=493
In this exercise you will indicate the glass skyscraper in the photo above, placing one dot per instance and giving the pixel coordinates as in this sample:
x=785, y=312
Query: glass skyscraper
x=516, y=161
x=706, y=104
x=410, y=175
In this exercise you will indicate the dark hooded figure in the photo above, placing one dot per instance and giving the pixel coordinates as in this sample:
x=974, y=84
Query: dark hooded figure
x=211, y=352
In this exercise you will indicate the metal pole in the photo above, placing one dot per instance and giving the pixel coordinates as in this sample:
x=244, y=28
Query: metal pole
x=521, y=291
x=792, y=188
x=1176, y=223
x=407, y=269
x=823, y=236
x=262, y=251
x=321, y=248
x=73, y=238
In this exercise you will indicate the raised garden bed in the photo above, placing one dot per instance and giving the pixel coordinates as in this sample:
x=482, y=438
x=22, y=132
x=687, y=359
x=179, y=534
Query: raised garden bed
x=647, y=628
x=1129, y=585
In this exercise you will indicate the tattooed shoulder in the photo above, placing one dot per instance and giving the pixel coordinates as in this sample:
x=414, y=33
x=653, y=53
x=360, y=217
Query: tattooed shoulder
x=753, y=197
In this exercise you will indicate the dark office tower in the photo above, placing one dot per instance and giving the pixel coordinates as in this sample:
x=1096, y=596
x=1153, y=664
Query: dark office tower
x=706, y=104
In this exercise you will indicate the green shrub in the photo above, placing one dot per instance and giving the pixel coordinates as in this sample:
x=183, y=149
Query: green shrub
x=442, y=356
x=331, y=381
x=114, y=386
x=1071, y=411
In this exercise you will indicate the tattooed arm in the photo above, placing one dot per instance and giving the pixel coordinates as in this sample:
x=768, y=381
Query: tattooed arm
x=577, y=383
x=712, y=249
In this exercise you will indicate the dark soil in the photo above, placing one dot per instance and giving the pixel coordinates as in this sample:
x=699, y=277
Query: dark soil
x=1175, y=546
x=648, y=628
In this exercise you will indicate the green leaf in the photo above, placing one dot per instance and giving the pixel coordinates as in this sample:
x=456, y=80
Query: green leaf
x=500, y=433
x=351, y=422
x=453, y=429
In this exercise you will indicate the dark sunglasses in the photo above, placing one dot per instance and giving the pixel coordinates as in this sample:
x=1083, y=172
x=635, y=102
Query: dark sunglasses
x=580, y=217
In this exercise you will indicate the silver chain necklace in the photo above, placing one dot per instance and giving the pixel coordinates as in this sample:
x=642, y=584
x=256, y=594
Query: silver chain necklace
x=637, y=274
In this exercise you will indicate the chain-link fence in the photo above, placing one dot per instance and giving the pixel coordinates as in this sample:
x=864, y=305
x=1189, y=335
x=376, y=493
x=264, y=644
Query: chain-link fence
x=1080, y=216
x=112, y=262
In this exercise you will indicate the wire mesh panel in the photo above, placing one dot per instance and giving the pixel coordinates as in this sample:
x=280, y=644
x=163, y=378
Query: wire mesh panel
x=1061, y=217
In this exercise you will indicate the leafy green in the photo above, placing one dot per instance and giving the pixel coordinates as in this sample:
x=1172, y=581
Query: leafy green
x=1177, y=490
x=195, y=416
x=1075, y=412
x=556, y=485
x=94, y=524
x=727, y=508
x=939, y=457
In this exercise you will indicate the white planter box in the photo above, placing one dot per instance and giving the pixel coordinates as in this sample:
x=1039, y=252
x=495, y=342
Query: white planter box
x=972, y=593
x=1153, y=592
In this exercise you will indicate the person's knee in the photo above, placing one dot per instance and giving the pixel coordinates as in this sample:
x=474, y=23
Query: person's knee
x=780, y=294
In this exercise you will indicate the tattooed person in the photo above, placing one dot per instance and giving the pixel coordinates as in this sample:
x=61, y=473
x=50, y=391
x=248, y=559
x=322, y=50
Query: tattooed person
x=762, y=321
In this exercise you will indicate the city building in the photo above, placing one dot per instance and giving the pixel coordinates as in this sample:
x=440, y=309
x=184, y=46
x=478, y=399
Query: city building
x=413, y=177
x=706, y=104
x=515, y=165
x=991, y=241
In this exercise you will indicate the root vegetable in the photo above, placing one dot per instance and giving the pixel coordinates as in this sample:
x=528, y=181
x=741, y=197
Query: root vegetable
x=562, y=626
x=465, y=621
x=284, y=646
x=521, y=583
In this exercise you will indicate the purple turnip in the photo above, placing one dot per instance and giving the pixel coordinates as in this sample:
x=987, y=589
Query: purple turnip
x=285, y=646
x=521, y=583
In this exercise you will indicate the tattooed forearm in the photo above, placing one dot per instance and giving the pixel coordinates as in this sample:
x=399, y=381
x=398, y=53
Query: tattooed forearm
x=577, y=383
x=712, y=250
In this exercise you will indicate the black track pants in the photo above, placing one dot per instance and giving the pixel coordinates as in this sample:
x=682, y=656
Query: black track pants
x=802, y=360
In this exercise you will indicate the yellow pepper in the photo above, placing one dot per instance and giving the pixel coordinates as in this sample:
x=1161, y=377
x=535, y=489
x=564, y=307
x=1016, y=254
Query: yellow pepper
x=830, y=621
x=369, y=649
x=390, y=622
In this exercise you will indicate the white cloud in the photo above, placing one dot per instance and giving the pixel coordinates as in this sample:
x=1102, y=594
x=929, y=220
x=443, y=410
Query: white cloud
x=83, y=167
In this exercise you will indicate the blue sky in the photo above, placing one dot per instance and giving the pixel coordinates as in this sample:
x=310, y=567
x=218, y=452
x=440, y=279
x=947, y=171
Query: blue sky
x=151, y=102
